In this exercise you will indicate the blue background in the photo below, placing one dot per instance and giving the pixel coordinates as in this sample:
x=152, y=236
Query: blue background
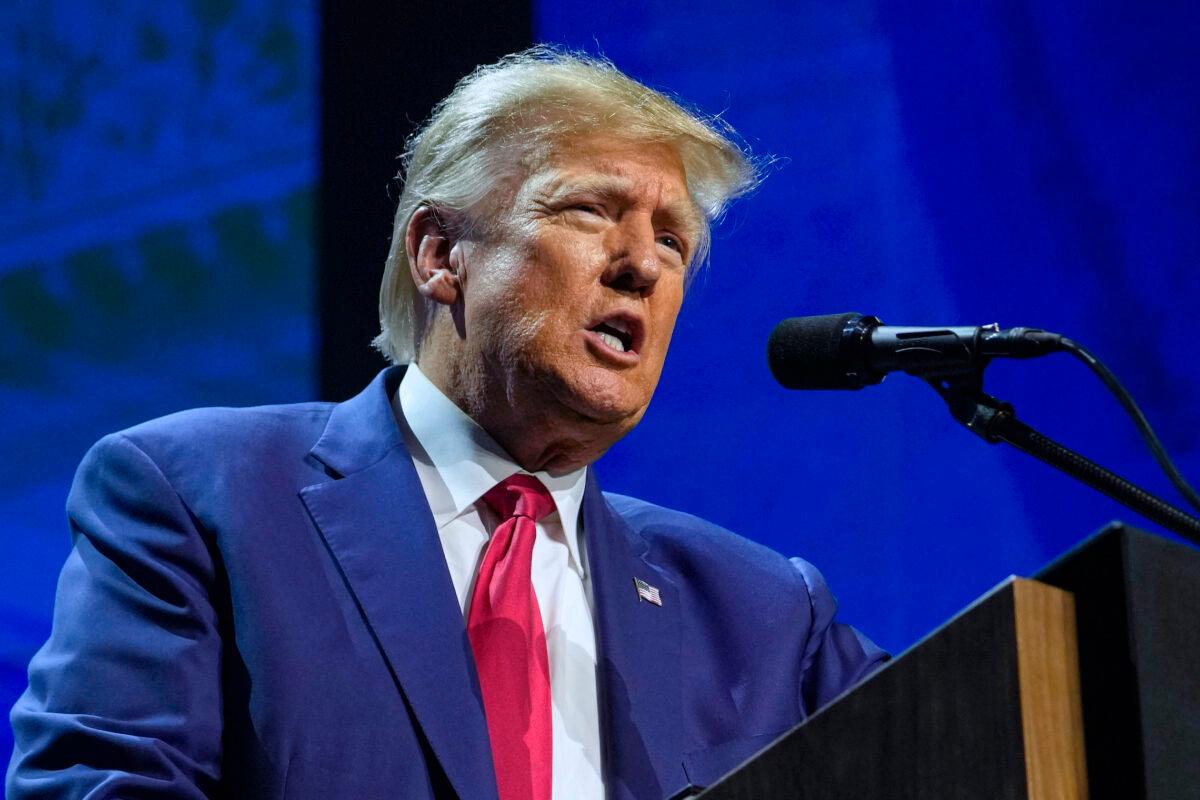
x=954, y=163
x=157, y=170
x=1028, y=163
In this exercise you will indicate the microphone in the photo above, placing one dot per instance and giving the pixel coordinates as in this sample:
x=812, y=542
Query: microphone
x=850, y=351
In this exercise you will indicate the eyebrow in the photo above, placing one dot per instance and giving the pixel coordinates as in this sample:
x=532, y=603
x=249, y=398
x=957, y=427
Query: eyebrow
x=610, y=186
x=686, y=215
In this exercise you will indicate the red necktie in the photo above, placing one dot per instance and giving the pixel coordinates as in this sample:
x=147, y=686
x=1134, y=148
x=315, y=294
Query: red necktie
x=509, y=642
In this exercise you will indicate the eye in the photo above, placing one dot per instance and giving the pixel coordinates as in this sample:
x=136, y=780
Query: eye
x=587, y=208
x=671, y=242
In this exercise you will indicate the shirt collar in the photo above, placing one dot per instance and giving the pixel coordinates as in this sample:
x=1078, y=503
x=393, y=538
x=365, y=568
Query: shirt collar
x=469, y=462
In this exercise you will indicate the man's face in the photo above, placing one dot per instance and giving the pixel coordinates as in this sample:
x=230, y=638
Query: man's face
x=571, y=294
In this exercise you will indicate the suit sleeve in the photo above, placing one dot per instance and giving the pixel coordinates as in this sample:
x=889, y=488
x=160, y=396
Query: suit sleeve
x=124, y=698
x=836, y=656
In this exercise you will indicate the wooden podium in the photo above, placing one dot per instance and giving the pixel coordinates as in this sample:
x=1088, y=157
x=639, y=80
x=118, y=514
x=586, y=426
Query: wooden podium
x=1084, y=682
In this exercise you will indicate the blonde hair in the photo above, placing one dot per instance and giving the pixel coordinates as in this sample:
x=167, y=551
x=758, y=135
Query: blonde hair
x=503, y=118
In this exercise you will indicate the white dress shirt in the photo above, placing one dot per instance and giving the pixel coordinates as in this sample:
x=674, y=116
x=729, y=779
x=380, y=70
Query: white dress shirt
x=457, y=463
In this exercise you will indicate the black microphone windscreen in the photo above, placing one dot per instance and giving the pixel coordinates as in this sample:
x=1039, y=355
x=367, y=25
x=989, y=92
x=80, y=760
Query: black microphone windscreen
x=806, y=352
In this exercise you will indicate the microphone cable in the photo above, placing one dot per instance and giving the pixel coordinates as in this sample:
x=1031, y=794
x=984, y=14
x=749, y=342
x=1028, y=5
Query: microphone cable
x=1139, y=419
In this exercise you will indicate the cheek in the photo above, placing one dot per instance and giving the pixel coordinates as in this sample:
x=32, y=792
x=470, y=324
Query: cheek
x=560, y=290
x=665, y=315
x=510, y=325
x=497, y=324
x=566, y=272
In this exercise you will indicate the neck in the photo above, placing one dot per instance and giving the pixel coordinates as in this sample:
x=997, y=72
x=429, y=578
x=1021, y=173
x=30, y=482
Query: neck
x=539, y=436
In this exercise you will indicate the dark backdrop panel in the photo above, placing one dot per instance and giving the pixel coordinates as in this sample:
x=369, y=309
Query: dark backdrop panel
x=384, y=66
x=951, y=163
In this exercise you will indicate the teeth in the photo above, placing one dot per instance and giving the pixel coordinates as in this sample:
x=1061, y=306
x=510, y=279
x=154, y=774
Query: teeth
x=611, y=341
x=617, y=324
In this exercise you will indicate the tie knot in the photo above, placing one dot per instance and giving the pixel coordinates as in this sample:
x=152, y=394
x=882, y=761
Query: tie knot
x=520, y=496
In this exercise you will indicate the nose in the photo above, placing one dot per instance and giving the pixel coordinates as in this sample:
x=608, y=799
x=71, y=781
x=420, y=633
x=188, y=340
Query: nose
x=633, y=260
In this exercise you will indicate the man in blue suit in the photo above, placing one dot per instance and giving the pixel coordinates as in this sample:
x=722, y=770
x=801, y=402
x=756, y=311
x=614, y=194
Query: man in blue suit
x=322, y=600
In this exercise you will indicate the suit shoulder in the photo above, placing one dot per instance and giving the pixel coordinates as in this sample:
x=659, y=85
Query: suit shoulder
x=223, y=441
x=684, y=537
x=216, y=426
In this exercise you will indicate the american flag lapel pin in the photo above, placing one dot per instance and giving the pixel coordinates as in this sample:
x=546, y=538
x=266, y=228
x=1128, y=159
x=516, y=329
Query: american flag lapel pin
x=647, y=592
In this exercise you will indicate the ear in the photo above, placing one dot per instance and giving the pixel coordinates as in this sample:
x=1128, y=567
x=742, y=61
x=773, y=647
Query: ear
x=429, y=242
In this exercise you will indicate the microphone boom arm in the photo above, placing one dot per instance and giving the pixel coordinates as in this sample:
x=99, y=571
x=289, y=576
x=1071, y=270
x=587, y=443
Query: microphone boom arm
x=996, y=421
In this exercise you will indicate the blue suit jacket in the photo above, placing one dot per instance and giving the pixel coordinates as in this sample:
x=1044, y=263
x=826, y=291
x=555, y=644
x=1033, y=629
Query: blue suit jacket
x=257, y=605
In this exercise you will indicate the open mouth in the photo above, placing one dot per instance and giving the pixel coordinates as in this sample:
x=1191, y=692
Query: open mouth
x=614, y=337
x=619, y=332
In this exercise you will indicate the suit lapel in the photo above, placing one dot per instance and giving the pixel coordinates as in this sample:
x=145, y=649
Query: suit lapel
x=639, y=646
x=375, y=520
x=376, y=523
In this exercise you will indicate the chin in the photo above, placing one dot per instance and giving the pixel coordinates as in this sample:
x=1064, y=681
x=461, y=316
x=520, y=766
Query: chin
x=605, y=398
